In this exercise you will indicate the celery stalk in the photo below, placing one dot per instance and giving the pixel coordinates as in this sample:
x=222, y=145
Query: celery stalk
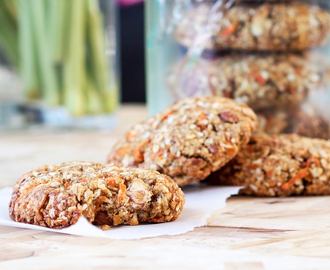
x=74, y=67
x=57, y=16
x=96, y=39
x=59, y=48
x=55, y=27
x=11, y=6
x=28, y=54
x=94, y=99
x=64, y=20
x=46, y=69
x=8, y=35
x=98, y=60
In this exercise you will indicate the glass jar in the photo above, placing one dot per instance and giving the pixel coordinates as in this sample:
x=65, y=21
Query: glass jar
x=62, y=55
x=270, y=54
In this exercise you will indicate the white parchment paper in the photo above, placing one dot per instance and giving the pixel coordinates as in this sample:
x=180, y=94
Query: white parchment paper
x=201, y=201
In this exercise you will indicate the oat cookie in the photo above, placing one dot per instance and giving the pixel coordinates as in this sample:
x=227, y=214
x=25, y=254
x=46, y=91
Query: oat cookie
x=259, y=80
x=279, y=165
x=265, y=27
x=296, y=121
x=189, y=139
x=56, y=196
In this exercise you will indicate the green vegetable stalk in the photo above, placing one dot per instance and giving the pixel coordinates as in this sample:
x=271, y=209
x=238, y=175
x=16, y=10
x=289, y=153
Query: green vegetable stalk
x=58, y=46
x=8, y=31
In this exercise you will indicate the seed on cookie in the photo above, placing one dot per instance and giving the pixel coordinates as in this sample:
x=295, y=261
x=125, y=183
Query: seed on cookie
x=189, y=139
x=279, y=165
x=259, y=80
x=265, y=27
x=56, y=196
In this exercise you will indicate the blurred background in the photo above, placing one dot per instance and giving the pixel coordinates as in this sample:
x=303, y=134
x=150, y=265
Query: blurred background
x=69, y=63
x=66, y=66
x=132, y=51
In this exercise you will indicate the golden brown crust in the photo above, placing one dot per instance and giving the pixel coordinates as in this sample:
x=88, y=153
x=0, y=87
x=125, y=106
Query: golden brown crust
x=188, y=140
x=279, y=165
x=56, y=196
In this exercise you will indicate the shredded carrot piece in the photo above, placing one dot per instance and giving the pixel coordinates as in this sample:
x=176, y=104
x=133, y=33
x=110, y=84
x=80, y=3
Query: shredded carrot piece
x=309, y=162
x=269, y=174
x=300, y=175
x=66, y=185
x=131, y=136
x=259, y=78
x=298, y=70
x=226, y=32
x=138, y=154
x=137, y=151
x=111, y=182
x=317, y=162
x=272, y=184
x=203, y=116
x=253, y=166
x=292, y=91
x=156, y=220
x=102, y=199
x=122, y=189
x=250, y=148
x=167, y=114
x=122, y=151
x=33, y=186
x=231, y=151
x=83, y=181
x=308, y=178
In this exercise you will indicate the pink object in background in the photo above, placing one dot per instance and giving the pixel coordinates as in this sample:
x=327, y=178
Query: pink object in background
x=129, y=2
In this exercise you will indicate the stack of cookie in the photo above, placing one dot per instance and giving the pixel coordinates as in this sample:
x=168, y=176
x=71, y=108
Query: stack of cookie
x=259, y=53
x=191, y=140
x=188, y=141
x=212, y=138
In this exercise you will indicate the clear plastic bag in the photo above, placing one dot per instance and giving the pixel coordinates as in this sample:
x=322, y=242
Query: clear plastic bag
x=271, y=54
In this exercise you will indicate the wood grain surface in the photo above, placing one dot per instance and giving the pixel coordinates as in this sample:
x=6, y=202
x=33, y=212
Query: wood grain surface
x=249, y=233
